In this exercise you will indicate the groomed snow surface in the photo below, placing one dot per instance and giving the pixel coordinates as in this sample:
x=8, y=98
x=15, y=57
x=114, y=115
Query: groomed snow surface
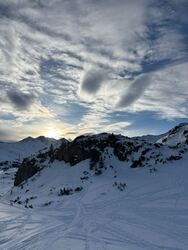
x=151, y=212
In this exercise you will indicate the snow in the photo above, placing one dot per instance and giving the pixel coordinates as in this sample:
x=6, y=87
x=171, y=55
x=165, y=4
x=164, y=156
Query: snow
x=150, y=213
x=16, y=151
x=177, y=135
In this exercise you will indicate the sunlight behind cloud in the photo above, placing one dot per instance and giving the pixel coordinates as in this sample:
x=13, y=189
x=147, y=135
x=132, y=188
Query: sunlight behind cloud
x=71, y=65
x=53, y=133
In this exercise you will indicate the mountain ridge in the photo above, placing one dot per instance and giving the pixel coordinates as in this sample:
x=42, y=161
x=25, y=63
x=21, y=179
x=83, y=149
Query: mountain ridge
x=129, y=193
x=135, y=152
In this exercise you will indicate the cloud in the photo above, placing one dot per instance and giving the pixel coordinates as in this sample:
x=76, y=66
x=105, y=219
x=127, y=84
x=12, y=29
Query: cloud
x=22, y=101
x=86, y=52
x=135, y=91
x=16, y=130
x=4, y=135
x=167, y=95
x=92, y=81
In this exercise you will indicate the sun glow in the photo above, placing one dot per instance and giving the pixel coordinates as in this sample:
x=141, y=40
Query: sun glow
x=53, y=133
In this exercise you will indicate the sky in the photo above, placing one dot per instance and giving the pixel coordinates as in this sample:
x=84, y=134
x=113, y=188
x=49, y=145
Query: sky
x=72, y=67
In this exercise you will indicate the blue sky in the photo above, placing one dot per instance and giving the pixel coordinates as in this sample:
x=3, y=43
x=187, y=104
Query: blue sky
x=71, y=67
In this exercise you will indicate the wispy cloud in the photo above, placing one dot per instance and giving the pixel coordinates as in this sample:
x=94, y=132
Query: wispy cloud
x=102, y=56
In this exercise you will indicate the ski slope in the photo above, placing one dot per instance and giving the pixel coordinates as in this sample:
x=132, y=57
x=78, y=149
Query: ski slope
x=151, y=213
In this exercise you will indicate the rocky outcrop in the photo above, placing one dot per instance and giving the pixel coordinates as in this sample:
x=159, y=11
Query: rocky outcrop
x=27, y=169
x=85, y=147
x=136, y=151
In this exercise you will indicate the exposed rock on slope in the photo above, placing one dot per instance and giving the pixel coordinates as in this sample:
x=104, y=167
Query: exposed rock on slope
x=27, y=169
x=137, y=152
x=91, y=147
x=175, y=136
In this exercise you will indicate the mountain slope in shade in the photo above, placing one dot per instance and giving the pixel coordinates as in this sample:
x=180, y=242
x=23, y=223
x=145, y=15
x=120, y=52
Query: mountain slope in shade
x=16, y=151
x=105, y=191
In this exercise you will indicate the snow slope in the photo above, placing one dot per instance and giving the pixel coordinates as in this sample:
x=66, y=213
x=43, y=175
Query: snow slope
x=150, y=213
x=24, y=148
x=121, y=208
x=179, y=134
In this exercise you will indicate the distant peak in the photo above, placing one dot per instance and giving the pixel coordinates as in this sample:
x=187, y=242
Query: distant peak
x=29, y=138
x=183, y=124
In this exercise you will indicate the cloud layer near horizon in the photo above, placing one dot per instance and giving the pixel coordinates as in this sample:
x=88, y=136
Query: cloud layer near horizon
x=73, y=64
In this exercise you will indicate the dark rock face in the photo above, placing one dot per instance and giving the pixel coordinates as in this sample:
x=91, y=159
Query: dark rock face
x=27, y=169
x=124, y=150
x=90, y=147
x=75, y=152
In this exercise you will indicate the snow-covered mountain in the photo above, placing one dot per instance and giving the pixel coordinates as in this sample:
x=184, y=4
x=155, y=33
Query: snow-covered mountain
x=100, y=191
x=98, y=152
x=176, y=136
x=16, y=151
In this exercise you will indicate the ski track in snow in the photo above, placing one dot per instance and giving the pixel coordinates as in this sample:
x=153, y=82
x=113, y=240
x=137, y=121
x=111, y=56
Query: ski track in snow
x=131, y=220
